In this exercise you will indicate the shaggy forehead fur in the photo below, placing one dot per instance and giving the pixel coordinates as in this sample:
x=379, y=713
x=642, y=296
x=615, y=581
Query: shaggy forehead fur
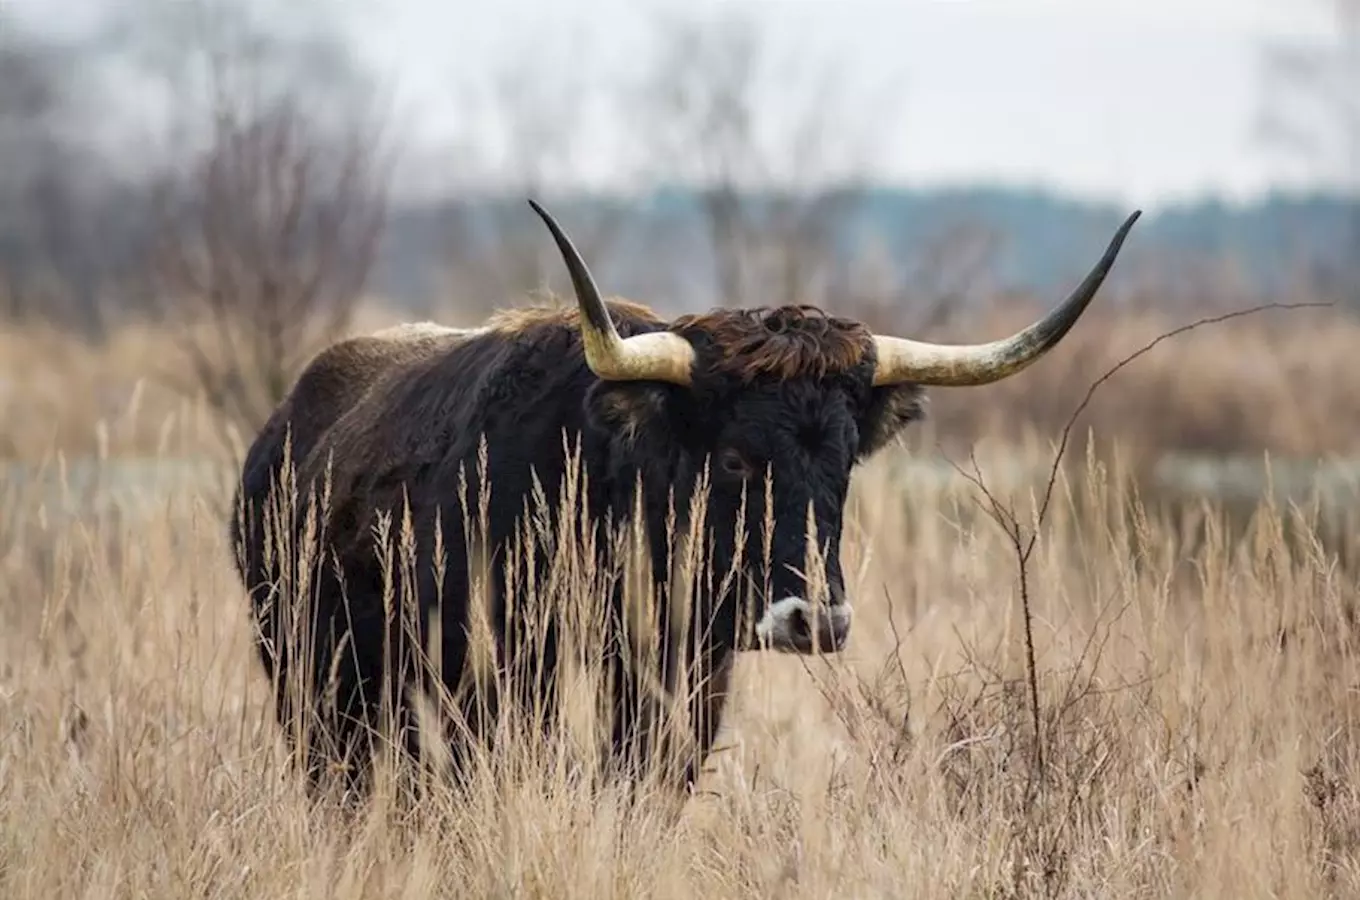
x=781, y=342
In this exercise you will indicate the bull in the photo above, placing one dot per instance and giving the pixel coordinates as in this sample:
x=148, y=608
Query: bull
x=787, y=398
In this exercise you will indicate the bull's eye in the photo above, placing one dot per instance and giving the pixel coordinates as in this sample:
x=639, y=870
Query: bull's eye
x=734, y=464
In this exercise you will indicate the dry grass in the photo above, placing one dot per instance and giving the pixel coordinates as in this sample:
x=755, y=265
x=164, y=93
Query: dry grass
x=1197, y=710
x=1196, y=682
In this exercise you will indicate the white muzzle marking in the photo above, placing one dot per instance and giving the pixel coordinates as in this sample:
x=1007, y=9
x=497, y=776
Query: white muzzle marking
x=787, y=626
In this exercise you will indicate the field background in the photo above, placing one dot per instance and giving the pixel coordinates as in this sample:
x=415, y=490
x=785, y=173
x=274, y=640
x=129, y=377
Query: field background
x=195, y=197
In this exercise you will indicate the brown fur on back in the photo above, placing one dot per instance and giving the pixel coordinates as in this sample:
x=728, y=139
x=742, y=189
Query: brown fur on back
x=516, y=321
x=340, y=376
x=784, y=342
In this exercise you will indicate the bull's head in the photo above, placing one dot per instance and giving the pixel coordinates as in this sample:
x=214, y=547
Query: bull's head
x=789, y=395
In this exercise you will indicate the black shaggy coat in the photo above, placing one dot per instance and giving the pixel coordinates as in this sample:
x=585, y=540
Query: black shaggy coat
x=386, y=421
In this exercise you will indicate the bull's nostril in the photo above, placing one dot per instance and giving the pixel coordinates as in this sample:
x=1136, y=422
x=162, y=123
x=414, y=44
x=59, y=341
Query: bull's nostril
x=837, y=625
x=799, y=626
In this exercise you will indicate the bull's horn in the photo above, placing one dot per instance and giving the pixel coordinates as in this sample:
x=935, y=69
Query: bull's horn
x=657, y=356
x=901, y=360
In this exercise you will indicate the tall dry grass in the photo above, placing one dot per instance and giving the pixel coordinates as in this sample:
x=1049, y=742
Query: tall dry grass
x=1197, y=713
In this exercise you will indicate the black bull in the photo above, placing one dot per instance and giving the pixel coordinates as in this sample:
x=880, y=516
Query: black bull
x=394, y=423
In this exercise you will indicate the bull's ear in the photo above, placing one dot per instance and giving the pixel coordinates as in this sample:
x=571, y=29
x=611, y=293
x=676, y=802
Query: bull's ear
x=890, y=410
x=629, y=409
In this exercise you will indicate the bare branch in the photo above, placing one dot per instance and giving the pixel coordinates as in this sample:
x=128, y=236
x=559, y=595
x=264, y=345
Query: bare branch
x=264, y=245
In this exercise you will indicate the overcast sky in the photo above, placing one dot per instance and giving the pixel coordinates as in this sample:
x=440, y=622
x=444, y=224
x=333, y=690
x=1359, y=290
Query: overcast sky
x=1141, y=101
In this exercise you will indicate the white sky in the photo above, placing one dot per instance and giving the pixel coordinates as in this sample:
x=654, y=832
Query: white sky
x=1142, y=101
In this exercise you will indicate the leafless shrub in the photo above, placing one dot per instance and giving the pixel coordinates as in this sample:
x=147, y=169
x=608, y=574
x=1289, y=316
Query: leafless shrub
x=267, y=260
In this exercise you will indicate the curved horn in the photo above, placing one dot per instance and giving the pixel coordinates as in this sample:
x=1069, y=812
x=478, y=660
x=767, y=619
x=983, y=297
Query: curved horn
x=900, y=359
x=657, y=356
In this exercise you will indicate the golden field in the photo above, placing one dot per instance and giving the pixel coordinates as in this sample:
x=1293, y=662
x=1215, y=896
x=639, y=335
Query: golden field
x=1196, y=677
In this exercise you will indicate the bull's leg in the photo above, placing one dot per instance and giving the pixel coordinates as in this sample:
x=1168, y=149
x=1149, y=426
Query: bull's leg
x=296, y=663
x=631, y=729
x=339, y=690
x=367, y=701
x=522, y=692
x=527, y=642
x=526, y=691
x=513, y=681
x=533, y=680
x=341, y=731
x=643, y=725
x=469, y=701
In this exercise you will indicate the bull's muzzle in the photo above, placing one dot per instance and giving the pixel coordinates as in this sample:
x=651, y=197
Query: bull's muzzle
x=793, y=625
